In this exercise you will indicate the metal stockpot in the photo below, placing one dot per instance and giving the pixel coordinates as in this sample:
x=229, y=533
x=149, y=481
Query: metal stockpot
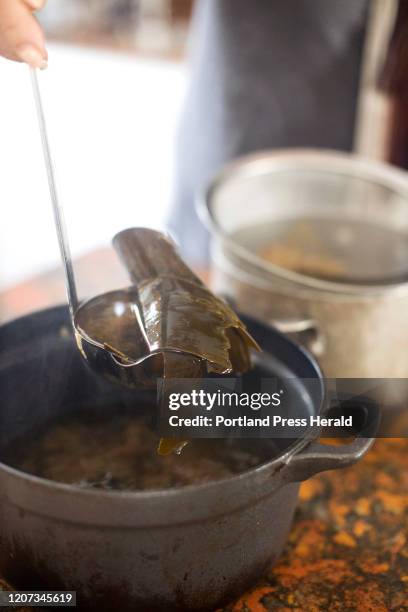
x=191, y=548
x=355, y=330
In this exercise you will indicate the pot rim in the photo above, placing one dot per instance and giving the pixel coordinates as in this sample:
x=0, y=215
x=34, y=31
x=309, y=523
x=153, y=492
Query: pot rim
x=323, y=160
x=13, y=482
x=159, y=493
x=142, y=509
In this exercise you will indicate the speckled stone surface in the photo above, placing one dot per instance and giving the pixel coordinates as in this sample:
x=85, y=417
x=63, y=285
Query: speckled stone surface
x=348, y=548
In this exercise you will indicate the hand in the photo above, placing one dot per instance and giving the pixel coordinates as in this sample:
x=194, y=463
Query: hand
x=21, y=36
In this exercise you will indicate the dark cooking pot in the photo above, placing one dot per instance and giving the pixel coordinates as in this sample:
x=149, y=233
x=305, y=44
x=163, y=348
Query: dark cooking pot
x=191, y=548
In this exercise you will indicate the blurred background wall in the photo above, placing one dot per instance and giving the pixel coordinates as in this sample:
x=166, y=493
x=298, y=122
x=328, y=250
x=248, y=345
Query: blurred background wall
x=112, y=95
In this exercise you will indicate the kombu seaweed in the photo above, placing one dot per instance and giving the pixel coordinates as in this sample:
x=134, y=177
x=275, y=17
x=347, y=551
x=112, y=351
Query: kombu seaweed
x=167, y=316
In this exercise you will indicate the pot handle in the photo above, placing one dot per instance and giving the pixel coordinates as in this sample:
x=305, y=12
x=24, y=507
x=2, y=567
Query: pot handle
x=304, y=331
x=317, y=457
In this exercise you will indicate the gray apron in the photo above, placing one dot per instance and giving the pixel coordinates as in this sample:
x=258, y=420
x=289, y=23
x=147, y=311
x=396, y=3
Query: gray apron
x=264, y=74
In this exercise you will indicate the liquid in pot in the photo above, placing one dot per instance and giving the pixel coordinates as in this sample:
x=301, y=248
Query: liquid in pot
x=331, y=248
x=117, y=451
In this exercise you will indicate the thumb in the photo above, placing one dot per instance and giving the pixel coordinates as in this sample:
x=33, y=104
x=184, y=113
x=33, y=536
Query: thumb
x=21, y=37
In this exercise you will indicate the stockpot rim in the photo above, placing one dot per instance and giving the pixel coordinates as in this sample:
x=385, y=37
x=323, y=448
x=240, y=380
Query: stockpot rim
x=261, y=473
x=323, y=160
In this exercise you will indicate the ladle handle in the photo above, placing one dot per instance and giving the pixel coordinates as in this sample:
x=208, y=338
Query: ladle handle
x=149, y=254
x=56, y=206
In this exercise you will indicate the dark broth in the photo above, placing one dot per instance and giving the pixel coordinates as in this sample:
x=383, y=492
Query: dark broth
x=118, y=452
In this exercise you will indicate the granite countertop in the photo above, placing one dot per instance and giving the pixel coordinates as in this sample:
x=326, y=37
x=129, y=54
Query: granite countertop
x=348, y=547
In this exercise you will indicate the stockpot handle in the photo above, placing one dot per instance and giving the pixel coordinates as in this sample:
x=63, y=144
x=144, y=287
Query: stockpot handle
x=302, y=330
x=317, y=457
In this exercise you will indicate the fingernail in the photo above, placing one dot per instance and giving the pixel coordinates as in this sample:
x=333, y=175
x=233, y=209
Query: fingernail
x=32, y=56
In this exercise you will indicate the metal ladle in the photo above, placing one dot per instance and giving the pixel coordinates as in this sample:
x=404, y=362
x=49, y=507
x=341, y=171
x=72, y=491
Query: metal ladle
x=99, y=357
x=56, y=206
x=167, y=323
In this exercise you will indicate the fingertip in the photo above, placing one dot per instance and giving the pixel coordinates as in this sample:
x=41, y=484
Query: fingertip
x=32, y=56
